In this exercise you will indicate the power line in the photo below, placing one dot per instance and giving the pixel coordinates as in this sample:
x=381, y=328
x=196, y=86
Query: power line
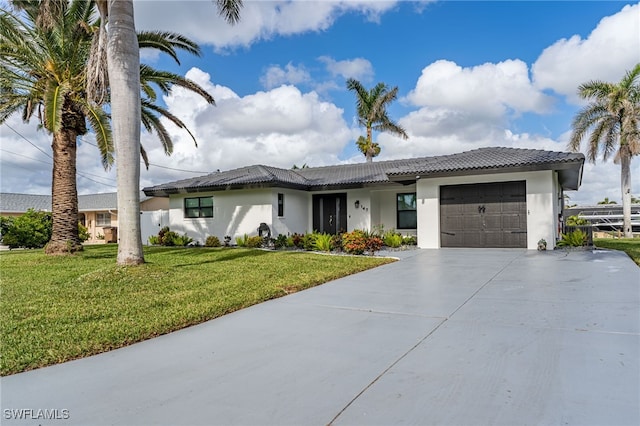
x=20, y=134
x=25, y=156
x=156, y=165
x=80, y=174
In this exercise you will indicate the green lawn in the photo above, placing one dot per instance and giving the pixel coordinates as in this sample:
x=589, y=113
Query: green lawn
x=54, y=309
x=631, y=246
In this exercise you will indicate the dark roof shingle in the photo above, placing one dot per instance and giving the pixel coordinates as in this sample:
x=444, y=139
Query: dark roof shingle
x=382, y=172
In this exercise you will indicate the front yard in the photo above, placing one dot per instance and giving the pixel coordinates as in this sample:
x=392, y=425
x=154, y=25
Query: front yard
x=55, y=309
x=631, y=246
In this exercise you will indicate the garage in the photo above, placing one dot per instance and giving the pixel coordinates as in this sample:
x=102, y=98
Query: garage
x=484, y=215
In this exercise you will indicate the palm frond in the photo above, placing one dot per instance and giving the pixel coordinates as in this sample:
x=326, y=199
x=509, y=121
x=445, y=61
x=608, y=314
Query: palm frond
x=101, y=126
x=152, y=123
x=167, y=42
x=230, y=10
x=145, y=157
x=165, y=79
x=54, y=100
x=147, y=109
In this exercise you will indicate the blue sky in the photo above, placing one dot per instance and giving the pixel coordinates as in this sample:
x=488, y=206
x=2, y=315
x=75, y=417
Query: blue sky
x=470, y=74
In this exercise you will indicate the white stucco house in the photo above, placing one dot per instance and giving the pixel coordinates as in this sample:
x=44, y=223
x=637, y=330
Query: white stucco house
x=488, y=197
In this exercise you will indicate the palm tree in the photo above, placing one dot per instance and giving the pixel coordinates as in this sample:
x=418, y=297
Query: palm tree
x=43, y=69
x=371, y=106
x=368, y=148
x=607, y=201
x=41, y=72
x=125, y=89
x=612, y=118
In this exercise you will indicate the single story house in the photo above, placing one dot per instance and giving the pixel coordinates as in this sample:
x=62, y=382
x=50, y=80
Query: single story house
x=98, y=212
x=488, y=197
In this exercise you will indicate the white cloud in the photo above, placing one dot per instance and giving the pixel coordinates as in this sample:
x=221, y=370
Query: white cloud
x=290, y=74
x=358, y=68
x=260, y=20
x=488, y=89
x=611, y=49
x=280, y=127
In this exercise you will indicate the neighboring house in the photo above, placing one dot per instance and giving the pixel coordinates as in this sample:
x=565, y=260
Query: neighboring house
x=606, y=217
x=488, y=197
x=98, y=212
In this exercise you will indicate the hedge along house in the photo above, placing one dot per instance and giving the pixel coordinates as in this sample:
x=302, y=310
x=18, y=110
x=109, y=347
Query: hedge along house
x=488, y=197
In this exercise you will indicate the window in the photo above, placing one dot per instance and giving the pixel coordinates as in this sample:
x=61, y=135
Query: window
x=280, y=205
x=198, y=207
x=406, y=204
x=103, y=219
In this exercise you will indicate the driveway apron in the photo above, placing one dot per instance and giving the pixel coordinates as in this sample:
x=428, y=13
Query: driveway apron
x=441, y=337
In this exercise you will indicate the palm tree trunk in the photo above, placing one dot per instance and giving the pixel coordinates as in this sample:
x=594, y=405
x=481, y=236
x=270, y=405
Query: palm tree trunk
x=368, y=154
x=64, y=209
x=625, y=179
x=124, y=79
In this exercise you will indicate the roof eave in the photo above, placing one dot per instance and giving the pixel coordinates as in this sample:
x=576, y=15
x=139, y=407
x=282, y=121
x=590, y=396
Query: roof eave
x=570, y=171
x=166, y=192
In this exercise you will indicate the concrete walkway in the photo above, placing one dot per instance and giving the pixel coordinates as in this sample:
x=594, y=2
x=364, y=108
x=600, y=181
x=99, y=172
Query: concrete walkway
x=442, y=337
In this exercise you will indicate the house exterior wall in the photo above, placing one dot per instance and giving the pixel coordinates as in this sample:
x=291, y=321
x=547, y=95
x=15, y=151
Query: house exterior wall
x=96, y=232
x=542, y=200
x=154, y=203
x=359, y=218
x=297, y=212
x=385, y=212
x=235, y=213
x=241, y=211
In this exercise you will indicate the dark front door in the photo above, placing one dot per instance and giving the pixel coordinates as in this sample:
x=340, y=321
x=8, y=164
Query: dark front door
x=484, y=215
x=330, y=213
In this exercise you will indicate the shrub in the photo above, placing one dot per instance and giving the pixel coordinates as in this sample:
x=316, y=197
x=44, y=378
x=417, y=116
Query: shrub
x=281, y=241
x=323, y=242
x=309, y=241
x=409, y=240
x=30, y=230
x=83, y=232
x=169, y=238
x=374, y=244
x=242, y=241
x=254, y=242
x=212, y=241
x=577, y=238
x=354, y=242
x=392, y=239
x=378, y=230
x=576, y=221
x=336, y=241
x=182, y=240
x=298, y=240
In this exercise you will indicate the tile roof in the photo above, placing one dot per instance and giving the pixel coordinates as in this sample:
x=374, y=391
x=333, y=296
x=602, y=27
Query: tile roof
x=20, y=203
x=486, y=158
x=381, y=172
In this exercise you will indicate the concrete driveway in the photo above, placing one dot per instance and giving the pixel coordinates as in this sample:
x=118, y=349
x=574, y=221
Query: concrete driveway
x=443, y=337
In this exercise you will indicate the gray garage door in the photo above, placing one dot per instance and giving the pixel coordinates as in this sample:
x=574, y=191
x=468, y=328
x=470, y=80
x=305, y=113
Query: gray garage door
x=484, y=215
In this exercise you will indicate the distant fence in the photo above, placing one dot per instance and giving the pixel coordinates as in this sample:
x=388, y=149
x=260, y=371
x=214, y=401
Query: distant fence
x=587, y=229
